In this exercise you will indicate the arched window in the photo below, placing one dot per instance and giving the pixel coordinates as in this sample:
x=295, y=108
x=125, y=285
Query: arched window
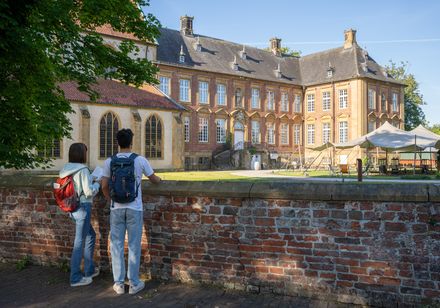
x=108, y=127
x=153, y=137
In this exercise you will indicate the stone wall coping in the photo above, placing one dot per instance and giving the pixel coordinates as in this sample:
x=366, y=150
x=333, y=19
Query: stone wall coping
x=405, y=192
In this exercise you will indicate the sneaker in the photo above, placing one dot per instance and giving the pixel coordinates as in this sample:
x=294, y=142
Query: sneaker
x=135, y=289
x=119, y=288
x=83, y=282
x=95, y=273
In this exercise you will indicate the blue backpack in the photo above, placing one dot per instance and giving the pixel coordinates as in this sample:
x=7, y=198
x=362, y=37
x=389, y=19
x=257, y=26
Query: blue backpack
x=122, y=183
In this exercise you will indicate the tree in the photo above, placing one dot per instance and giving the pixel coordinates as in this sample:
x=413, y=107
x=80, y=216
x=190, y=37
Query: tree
x=287, y=51
x=435, y=129
x=413, y=99
x=45, y=42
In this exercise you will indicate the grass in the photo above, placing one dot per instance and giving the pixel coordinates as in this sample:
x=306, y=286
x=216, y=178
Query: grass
x=219, y=176
x=326, y=174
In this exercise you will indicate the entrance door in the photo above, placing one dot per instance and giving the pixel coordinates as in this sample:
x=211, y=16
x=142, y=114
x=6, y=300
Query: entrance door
x=238, y=140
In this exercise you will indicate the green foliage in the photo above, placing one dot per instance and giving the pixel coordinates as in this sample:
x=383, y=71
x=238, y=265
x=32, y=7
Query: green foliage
x=413, y=99
x=435, y=129
x=45, y=42
x=287, y=51
x=252, y=150
x=23, y=263
x=63, y=266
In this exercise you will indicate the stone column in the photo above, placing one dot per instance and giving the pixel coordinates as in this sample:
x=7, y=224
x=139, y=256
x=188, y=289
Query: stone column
x=84, y=133
x=136, y=122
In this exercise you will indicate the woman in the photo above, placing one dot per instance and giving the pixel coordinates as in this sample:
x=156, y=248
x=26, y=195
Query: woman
x=84, y=234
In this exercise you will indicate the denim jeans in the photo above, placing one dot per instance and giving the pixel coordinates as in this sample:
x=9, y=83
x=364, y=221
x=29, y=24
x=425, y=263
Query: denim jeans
x=84, y=244
x=122, y=220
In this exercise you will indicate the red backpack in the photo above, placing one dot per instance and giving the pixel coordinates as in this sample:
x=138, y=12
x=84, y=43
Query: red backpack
x=65, y=195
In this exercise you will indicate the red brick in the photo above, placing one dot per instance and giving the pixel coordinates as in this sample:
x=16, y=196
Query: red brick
x=276, y=270
x=395, y=226
x=226, y=219
x=348, y=277
x=264, y=222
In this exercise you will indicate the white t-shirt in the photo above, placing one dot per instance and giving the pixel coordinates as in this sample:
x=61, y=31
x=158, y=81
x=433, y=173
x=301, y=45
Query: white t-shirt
x=141, y=166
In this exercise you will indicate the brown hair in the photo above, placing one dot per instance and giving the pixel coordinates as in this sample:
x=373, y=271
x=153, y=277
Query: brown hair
x=78, y=153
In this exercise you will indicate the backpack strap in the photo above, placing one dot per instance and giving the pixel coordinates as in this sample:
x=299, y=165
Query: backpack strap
x=133, y=157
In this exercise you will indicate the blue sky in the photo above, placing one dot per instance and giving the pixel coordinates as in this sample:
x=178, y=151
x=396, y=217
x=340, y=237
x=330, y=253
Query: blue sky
x=389, y=30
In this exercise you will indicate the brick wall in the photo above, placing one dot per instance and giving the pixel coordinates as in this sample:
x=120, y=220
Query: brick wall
x=366, y=244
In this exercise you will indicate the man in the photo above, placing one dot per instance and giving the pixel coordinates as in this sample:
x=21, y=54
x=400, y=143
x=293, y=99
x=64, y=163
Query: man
x=126, y=216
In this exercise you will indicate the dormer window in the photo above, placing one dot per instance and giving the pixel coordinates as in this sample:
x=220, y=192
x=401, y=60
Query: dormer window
x=330, y=70
x=197, y=45
x=235, y=64
x=243, y=54
x=181, y=55
x=278, y=72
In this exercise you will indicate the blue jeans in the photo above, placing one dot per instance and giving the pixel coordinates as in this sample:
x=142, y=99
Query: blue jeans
x=122, y=220
x=84, y=244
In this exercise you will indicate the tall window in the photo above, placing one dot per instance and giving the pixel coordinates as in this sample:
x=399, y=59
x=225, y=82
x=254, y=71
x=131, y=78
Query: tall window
x=343, y=131
x=255, y=98
x=203, y=129
x=238, y=98
x=395, y=102
x=221, y=130
x=108, y=127
x=270, y=100
x=255, y=131
x=325, y=132
x=184, y=90
x=383, y=100
x=164, y=84
x=221, y=94
x=153, y=137
x=186, y=128
x=297, y=134
x=284, y=133
x=310, y=133
x=326, y=101
x=284, y=102
x=371, y=99
x=297, y=103
x=52, y=149
x=271, y=133
x=371, y=125
x=203, y=92
x=343, y=99
x=310, y=102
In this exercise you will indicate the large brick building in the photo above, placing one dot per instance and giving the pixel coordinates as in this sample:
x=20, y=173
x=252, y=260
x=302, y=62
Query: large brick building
x=272, y=102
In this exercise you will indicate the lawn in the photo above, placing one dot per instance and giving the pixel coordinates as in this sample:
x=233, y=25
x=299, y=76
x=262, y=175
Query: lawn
x=221, y=176
x=326, y=174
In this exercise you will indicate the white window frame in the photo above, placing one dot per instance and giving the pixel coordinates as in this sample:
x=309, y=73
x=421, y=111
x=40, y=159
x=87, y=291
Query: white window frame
x=326, y=132
x=220, y=125
x=326, y=101
x=255, y=98
x=310, y=133
x=343, y=131
x=187, y=128
x=284, y=102
x=271, y=133
x=297, y=103
x=270, y=100
x=310, y=102
x=221, y=94
x=343, y=98
x=255, y=131
x=203, y=130
x=371, y=125
x=284, y=133
x=297, y=134
x=184, y=90
x=371, y=99
x=164, y=85
x=203, y=92
x=395, y=102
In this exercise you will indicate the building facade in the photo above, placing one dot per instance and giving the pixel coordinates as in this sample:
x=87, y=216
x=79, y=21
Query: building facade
x=270, y=102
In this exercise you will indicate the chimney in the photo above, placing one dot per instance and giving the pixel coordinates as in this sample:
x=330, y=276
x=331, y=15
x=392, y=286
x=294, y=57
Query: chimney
x=186, y=25
x=350, y=38
x=275, y=46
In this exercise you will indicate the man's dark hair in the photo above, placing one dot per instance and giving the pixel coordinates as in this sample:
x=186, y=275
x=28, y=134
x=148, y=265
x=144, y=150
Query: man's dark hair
x=124, y=137
x=78, y=153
